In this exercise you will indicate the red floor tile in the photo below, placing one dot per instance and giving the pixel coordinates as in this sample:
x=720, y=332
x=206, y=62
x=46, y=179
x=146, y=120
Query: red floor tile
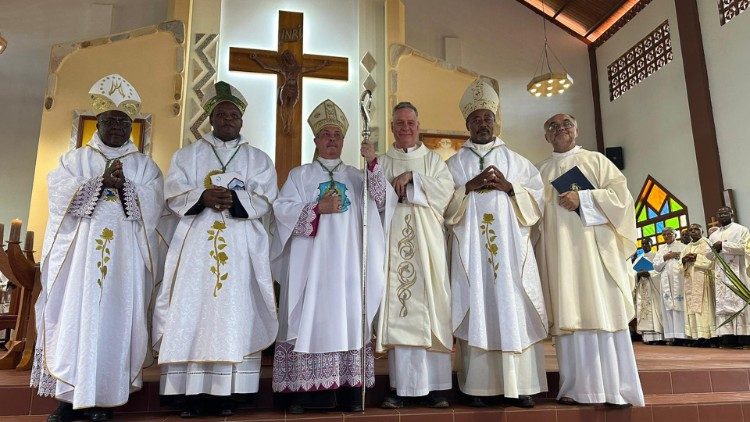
x=685, y=413
x=691, y=382
x=633, y=414
x=656, y=382
x=581, y=414
x=729, y=380
x=15, y=400
x=532, y=415
x=479, y=415
x=720, y=412
x=42, y=405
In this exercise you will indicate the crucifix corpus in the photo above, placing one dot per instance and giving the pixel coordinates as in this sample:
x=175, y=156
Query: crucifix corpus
x=290, y=65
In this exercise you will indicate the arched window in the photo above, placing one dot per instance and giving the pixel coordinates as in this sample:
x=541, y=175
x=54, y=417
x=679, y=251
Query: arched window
x=655, y=209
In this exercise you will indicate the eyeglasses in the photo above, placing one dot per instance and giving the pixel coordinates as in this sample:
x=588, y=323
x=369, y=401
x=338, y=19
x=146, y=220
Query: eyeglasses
x=117, y=122
x=554, y=127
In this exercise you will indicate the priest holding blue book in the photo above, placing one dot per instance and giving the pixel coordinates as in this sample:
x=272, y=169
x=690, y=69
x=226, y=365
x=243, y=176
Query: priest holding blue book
x=585, y=239
x=648, y=304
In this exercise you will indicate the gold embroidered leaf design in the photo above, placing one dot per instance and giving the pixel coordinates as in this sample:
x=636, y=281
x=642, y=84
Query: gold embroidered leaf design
x=219, y=257
x=490, y=237
x=102, y=244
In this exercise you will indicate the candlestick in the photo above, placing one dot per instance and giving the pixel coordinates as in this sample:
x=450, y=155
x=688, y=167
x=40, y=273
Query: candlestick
x=29, y=244
x=15, y=230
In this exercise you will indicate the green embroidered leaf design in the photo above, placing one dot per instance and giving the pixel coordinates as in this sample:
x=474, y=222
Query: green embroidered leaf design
x=219, y=257
x=490, y=245
x=102, y=242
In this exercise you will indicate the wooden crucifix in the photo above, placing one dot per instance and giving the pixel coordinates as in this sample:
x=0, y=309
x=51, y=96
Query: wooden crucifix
x=290, y=65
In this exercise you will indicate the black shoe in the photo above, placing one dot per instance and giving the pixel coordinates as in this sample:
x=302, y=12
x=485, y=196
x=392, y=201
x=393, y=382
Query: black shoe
x=392, y=402
x=65, y=413
x=98, y=414
x=525, y=402
x=477, y=402
x=618, y=406
x=356, y=407
x=434, y=401
x=295, y=409
x=567, y=401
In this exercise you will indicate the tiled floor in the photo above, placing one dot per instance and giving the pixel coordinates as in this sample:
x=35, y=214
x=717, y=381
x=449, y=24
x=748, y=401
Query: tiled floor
x=681, y=385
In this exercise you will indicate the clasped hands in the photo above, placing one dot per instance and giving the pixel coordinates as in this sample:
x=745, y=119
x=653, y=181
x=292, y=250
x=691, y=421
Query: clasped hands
x=689, y=258
x=113, y=176
x=489, y=178
x=330, y=203
x=217, y=197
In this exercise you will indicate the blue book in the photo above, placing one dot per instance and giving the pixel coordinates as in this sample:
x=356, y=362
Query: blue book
x=572, y=180
x=643, y=265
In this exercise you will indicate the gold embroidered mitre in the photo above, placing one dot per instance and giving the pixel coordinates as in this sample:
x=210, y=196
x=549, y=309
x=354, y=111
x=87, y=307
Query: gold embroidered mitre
x=220, y=92
x=480, y=95
x=113, y=92
x=327, y=113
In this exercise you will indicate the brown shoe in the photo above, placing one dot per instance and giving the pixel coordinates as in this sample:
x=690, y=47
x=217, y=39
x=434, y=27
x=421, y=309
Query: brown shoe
x=567, y=401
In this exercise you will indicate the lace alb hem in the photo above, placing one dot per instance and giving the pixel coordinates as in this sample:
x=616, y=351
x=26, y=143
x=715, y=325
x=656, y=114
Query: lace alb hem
x=130, y=198
x=377, y=182
x=305, y=226
x=40, y=378
x=85, y=199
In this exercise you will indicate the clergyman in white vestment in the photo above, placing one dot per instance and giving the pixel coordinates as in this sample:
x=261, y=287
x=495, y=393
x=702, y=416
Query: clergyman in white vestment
x=499, y=315
x=730, y=240
x=215, y=312
x=586, y=238
x=648, y=307
x=700, y=305
x=414, y=323
x=672, y=286
x=105, y=200
x=317, y=261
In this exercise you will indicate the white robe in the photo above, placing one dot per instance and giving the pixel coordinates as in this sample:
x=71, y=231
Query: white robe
x=672, y=287
x=734, y=239
x=497, y=297
x=97, y=275
x=320, y=277
x=648, y=304
x=216, y=304
x=700, y=305
x=582, y=260
x=415, y=312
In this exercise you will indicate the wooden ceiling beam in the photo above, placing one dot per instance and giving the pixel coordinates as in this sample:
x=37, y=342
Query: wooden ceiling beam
x=556, y=22
x=604, y=18
x=560, y=10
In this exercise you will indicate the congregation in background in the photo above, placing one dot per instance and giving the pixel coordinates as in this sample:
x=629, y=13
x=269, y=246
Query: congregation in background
x=486, y=255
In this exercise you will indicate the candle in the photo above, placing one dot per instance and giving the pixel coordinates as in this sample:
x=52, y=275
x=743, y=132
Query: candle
x=15, y=230
x=29, y=244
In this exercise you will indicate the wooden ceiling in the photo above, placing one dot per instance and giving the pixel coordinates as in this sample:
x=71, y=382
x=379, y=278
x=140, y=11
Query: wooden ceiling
x=587, y=20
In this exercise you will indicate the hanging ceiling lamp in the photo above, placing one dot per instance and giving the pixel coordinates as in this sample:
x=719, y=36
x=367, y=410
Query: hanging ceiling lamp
x=550, y=83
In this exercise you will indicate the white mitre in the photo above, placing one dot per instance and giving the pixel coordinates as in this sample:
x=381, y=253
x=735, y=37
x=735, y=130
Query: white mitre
x=480, y=95
x=113, y=92
x=327, y=113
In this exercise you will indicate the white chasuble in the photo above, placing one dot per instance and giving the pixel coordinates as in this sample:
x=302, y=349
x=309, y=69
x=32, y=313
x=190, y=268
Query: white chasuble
x=497, y=298
x=216, y=304
x=670, y=278
x=320, y=276
x=648, y=303
x=585, y=267
x=700, y=305
x=416, y=304
x=672, y=285
x=97, y=277
x=734, y=239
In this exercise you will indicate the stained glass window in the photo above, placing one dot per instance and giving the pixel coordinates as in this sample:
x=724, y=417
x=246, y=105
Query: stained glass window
x=655, y=209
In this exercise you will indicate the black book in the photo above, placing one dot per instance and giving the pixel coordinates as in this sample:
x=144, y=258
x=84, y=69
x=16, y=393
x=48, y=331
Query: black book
x=572, y=180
